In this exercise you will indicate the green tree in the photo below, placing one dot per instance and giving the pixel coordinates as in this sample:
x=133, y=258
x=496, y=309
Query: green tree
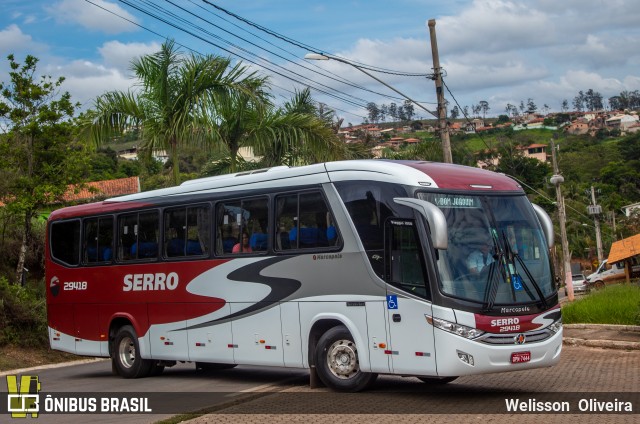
x=173, y=105
x=526, y=169
x=484, y=107
x=296, y=134
x=374, y=112
x=38, y=154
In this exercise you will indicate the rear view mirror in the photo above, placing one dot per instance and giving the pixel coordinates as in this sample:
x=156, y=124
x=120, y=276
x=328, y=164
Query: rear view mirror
x=433, y=215
x=547, y=225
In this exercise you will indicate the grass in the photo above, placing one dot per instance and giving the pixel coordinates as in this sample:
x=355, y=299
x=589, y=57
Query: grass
x=16, y=357
x=619, y=304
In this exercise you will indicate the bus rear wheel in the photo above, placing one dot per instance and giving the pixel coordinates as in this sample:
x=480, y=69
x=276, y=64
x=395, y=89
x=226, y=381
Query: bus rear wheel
x=437, y=380
x=337, y=362
x=126, y=355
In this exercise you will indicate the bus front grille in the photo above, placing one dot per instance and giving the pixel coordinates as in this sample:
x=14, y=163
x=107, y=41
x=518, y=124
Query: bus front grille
x=509, y=339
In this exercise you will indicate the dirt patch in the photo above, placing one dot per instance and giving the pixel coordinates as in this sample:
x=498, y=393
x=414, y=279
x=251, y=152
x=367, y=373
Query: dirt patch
x=12, y=357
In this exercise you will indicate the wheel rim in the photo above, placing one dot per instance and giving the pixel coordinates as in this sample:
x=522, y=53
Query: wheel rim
x=342, y=359
x=127, y=352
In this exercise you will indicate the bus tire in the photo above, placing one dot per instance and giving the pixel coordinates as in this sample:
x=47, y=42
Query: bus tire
x=437, y=380
x=211, y=366
x=337, y=362
x=126, y=354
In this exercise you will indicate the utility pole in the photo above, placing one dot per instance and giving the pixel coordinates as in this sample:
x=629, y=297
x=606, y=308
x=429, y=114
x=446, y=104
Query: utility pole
x=556, y=180
x=595, y=210
x=442, y=108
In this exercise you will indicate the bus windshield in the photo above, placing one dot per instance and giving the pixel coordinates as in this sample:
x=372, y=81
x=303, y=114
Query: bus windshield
x=497, y=253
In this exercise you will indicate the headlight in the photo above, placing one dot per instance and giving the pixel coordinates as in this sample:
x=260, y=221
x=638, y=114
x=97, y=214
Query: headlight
x=452, y=327
x=556, y=326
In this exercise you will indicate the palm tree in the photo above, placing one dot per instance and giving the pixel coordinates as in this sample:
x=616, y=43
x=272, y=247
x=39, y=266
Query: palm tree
x=174, y=100
x=291, y=135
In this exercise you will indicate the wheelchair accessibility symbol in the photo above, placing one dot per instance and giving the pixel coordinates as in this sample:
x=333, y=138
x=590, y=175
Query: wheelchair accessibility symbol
x=392, y=301
x=517, y=282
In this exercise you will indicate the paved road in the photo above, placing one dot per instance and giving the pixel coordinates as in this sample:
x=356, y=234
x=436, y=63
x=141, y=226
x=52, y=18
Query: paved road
x=283, y=395
x=180, y=384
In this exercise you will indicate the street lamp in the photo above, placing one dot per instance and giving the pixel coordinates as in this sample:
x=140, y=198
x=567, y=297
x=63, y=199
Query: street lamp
x=318, y=56
x=557, y=179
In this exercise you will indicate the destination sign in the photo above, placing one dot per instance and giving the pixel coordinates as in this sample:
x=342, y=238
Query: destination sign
x=455, y=201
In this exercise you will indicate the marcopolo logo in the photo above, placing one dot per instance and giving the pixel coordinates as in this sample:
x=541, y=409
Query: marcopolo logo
x=23, y=397
x=54, y=286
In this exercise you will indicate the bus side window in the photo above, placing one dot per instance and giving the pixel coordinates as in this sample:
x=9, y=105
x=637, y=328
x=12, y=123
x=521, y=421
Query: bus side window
x=235, y=217
x=138, y=236
x=98, y=239
x=303, y=222
x=186, y=231
x=65, y=241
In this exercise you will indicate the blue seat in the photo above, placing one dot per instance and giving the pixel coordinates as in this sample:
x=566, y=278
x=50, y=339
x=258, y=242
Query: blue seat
x=194, y=248
x=309, y=237
x=332, y=234
x=176, y=247
x=148, y=249
x=228, y=243
x=106, y=253
x=258, y=241
x=101, y=254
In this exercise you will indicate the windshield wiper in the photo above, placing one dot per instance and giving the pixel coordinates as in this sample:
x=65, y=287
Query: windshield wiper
x=513, y=256
x=491, y=289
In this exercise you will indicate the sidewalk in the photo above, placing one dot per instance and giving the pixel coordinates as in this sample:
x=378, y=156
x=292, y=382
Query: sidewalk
x=603, y=336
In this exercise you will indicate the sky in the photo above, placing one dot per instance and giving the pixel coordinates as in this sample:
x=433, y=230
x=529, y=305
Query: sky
x=498, y=51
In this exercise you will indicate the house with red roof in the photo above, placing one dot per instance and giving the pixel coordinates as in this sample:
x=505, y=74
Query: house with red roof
x=99, y=190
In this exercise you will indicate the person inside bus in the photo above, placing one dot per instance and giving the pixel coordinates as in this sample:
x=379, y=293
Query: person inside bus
x=480, y=257
x=243, y=246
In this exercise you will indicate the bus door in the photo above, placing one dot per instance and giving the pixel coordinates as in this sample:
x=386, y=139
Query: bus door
x=412, y=347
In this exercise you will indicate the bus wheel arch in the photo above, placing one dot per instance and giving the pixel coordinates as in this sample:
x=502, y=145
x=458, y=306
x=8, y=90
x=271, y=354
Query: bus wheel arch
x=125, y=351
x=337, y=361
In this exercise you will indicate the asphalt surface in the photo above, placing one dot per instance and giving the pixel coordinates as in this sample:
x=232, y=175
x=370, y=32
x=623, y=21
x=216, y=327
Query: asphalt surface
x=598, y=361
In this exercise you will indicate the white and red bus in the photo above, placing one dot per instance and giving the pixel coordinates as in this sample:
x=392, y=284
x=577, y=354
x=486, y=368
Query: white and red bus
x=352, y=269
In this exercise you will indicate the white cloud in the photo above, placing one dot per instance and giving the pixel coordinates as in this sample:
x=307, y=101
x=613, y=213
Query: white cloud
x=92, y=17
x=13, y=40
x=119, y=55
x=86, y=79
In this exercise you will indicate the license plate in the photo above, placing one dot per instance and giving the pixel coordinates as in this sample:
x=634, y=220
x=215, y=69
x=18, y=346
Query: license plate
x=520, y=357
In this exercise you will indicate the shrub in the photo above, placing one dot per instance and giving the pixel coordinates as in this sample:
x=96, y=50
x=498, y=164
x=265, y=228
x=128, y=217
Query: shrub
x=23, y=316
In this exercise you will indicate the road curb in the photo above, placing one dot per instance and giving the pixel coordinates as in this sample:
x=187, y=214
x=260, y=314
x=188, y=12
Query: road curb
x=605, y=344
x=603, y=327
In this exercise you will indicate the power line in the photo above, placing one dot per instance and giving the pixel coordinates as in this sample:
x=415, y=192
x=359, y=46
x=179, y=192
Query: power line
x=463, y=113
x=296, y=63
x=178, y=27
x=200, y=53
x=305, y=46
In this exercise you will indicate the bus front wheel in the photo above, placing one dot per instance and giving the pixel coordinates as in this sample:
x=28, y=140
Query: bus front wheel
x=337, y=362
x=126, y=355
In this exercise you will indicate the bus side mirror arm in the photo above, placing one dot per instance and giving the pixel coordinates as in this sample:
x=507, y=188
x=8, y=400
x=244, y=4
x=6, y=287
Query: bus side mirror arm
x=547, y=224
x=433, y=215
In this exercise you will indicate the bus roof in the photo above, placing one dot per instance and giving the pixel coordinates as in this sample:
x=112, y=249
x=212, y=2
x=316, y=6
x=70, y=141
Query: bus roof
x=413, y=173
